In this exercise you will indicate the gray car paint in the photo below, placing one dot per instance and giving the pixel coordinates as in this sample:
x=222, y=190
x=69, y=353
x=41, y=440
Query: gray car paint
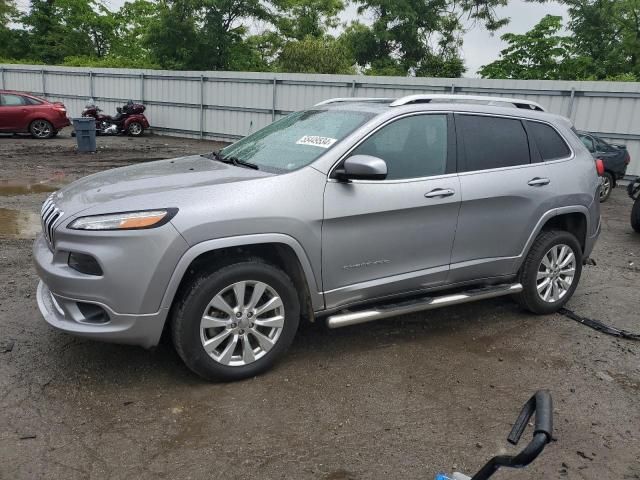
x=355, y=242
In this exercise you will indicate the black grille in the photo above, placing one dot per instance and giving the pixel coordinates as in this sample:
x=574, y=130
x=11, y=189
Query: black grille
x=50, y=214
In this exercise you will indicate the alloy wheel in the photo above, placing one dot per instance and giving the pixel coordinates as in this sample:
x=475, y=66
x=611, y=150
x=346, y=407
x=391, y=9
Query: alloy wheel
x=242, y=323
x=41, y=129
x=605, y=186
x=555, y=273
x=135, y=129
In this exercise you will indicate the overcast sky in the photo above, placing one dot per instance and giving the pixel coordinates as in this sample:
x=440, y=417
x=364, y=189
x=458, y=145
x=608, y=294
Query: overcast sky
x=479, y=47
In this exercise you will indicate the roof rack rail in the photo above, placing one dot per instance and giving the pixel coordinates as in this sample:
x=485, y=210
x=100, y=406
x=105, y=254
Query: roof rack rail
x=426, y=98
x=354, y=99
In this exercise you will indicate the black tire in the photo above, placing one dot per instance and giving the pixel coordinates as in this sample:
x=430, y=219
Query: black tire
x=635, y=215
x=606, y=188
x=529, y=297
x=135, y=129
x=190, y=307
x=41, y=129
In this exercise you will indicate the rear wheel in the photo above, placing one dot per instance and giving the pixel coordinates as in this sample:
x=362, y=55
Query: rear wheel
x=41, y=129
x=135, y=129
x=551, y=272
x=236, y=322
x=606, y=186
x=635, y=215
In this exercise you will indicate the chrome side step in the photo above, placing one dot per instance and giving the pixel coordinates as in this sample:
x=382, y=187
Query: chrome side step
x=346, y=317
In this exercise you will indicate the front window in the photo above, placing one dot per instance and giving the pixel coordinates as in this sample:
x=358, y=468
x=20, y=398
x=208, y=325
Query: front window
x=296, y=140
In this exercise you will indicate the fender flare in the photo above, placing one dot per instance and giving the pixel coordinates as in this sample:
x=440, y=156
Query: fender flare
x=548, y=215
x=317, y=299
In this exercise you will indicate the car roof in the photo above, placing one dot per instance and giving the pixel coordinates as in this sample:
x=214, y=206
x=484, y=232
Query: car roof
x=16, y=92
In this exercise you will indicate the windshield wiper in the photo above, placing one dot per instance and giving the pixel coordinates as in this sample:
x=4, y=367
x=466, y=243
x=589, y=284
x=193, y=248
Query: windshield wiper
x=234, y=161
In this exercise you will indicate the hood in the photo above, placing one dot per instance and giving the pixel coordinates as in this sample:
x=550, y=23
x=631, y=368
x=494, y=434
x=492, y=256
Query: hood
x=146, y=179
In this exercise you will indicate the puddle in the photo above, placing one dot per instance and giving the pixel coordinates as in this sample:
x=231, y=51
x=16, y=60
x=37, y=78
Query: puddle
x=9, y=188
x=18, y=224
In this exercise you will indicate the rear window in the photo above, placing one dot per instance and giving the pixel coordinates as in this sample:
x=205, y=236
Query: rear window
x=32, y=101
x=492, y=142
x=549, y=142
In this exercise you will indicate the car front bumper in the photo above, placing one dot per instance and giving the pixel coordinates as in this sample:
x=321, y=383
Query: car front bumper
x=65, y=315
x=123, y=303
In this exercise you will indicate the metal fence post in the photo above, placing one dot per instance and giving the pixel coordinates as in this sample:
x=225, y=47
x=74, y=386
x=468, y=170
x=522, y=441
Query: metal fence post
x=353, y=88
x=453, y=88
x=90, y=84
x=201, y=107
x=142, y=88
x=273, y=103
x=571, y=99
x=44, y=86
x=2, y=78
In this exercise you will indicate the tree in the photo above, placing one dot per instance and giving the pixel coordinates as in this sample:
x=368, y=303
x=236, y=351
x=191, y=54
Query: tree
x=298, y=19
x=62, y=28
x=538, y=54
x=605, y=38
x=419, y=37
x=315, y=55
x=200, y=34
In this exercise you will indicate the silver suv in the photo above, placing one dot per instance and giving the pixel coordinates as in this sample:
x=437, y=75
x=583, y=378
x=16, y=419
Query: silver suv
x=354, y=210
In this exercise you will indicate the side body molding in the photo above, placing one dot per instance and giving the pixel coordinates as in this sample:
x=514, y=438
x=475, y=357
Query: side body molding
x=317, y=299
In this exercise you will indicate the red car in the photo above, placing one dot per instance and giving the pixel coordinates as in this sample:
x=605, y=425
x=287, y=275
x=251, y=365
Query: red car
x=22, y=113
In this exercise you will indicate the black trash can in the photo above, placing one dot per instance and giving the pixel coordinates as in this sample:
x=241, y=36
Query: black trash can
x=85, y=128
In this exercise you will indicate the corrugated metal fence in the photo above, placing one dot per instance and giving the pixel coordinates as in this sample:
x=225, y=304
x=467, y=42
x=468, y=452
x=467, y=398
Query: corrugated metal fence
x=229, y=105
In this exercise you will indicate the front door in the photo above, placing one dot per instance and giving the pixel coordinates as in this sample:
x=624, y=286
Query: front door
x=13, y=112
x=395, y=235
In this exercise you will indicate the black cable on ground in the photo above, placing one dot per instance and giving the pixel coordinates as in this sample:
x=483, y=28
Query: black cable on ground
x=598, y=325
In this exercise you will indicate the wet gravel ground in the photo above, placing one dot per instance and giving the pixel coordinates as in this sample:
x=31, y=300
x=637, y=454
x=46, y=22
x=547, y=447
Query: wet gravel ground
x=402, y=398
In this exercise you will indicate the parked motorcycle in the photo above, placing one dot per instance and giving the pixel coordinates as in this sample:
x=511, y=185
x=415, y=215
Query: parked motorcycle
x=633, y=189
x=130, y=119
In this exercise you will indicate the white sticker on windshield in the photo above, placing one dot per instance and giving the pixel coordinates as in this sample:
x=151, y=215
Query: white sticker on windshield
x=316, y=141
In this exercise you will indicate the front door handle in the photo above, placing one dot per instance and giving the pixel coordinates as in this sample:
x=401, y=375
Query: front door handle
x=440, y=192
x=539, y=182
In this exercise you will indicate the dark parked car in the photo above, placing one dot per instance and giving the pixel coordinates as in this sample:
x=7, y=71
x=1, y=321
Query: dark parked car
x=24, y=113
x=615, y=158
x=633, y=189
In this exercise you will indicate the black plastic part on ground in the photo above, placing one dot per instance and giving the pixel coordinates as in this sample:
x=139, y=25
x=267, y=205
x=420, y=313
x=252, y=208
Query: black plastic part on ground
x=598, y=325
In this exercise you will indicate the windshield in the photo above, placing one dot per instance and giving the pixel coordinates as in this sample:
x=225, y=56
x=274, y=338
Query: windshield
x=296, y=140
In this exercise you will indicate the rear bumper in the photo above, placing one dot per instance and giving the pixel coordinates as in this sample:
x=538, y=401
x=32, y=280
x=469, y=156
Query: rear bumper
x=591, y=240
x=60, y=123
x=63, y=314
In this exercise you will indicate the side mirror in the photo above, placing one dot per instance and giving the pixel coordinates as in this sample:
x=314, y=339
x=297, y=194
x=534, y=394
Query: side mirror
x=362, y=167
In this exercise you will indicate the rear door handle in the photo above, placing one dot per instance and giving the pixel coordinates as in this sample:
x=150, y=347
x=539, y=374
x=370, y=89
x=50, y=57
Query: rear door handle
x=539, y=182
x=440, y=192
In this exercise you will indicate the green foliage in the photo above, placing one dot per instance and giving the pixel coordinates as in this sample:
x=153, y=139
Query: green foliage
x=603, y=44
x=107, y=62
x=417, y=37
x=315, y=55
x=538, y=54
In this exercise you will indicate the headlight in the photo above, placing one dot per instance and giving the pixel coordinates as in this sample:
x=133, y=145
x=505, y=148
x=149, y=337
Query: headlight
x=124, y=220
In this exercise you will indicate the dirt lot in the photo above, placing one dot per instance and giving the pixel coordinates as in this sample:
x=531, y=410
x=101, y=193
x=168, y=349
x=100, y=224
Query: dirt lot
x=402, y=398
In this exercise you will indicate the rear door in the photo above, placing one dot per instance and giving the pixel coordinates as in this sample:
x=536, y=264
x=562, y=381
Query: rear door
x=393, y=236
x=13, y=112
x=505, y=191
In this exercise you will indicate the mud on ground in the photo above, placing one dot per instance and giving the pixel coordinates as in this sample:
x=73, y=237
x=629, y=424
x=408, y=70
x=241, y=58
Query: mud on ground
x=402, y=398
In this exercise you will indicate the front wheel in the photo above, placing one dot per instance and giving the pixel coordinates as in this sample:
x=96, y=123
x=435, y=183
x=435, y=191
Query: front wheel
x=635, y=215
x=236, y=322
x=551, y=272
x=135, y=129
